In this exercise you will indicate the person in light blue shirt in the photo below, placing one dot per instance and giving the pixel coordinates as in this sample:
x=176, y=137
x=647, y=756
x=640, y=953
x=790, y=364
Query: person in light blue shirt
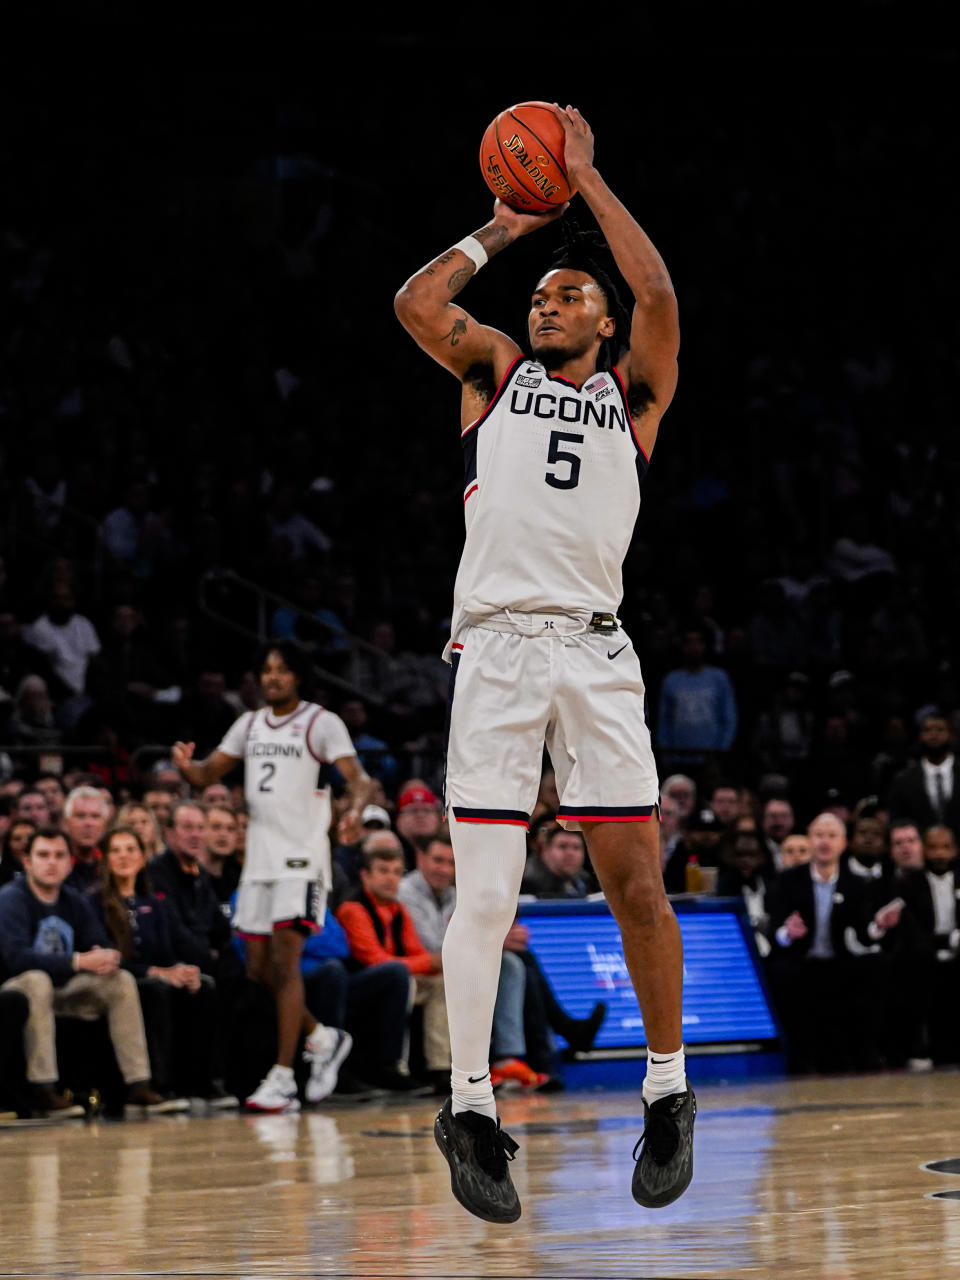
x=697, y=712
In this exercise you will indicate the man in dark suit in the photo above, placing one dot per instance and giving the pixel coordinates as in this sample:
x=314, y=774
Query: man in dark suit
x=823, y=929
x=932, y=898
x=928, y=792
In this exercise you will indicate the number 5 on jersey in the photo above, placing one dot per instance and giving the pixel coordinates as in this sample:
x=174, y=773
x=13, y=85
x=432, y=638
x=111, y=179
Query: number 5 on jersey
x=556, y=454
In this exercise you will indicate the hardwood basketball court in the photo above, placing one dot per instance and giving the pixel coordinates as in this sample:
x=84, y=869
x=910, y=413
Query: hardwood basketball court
x=793, y=1178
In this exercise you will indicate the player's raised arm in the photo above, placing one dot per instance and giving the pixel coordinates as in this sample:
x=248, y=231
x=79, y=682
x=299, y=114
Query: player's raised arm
x=425, y=305
x=200, y=773
x=655, y=330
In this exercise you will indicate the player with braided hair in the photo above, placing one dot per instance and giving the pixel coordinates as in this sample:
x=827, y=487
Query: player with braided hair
x=555, y=444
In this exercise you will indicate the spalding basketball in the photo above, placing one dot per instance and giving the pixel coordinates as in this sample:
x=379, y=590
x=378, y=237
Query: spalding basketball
x=521, y=158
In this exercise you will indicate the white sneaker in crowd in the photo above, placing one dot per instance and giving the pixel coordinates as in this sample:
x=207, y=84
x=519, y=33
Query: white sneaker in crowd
x=276, y=1093
x=325, y=1050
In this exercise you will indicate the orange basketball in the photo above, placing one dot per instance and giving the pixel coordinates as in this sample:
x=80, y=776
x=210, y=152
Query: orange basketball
x=521, y=158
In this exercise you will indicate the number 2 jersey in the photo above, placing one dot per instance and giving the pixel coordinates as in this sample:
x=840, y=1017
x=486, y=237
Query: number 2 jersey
x=287, y=799
x=552, y=478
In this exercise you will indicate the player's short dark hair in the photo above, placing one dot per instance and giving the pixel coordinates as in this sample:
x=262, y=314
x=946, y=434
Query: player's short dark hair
x=584, y=251
x=293, y=655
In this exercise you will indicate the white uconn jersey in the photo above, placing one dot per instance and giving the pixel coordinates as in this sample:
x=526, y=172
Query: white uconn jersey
x=551, y=495
x=289, y=809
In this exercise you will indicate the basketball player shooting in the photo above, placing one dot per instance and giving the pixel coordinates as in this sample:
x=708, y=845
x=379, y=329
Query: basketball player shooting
x=555, y=445
x=286, y=871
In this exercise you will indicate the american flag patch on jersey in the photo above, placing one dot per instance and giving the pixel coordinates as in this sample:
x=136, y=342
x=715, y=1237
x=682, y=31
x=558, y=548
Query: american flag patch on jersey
x=596, y=384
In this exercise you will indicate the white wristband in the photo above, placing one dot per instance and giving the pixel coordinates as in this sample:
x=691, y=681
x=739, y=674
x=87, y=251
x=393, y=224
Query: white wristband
x=474, y=250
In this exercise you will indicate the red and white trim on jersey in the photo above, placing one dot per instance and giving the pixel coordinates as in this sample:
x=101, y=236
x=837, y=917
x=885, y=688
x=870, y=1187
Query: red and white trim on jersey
x=606, y=813
x=633, y=429
x=288, y=719
x=499, y=817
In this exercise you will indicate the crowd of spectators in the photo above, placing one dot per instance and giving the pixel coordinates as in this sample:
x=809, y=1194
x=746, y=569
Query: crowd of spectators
x=200, y=371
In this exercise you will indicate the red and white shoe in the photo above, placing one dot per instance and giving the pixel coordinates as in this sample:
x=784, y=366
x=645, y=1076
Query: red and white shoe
x=275, y=1094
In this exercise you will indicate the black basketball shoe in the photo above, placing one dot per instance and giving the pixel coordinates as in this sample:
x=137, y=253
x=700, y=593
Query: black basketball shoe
x=665, y=1165
x=477, y=1151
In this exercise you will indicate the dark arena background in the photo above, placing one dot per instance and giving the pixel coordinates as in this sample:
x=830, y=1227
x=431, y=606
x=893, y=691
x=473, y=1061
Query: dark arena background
x=214, y=432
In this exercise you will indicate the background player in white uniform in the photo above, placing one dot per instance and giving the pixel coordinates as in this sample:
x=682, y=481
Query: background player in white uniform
x=286, y=871
x=554, y=448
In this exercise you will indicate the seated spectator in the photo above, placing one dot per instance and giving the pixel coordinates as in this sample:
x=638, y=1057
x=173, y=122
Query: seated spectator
x=145, y=825
x=776, y=823
x=67, y=639
x=85, y=822
x=51, y=788
x=178, y=1002
x=699, y=847
x=821, y=923
x=15, y=844
x=559, y=871
x=725, y=804
x=379, y=929
x=741, y=875
x=218, y=857
x=928, y=791
x=932, y=897
x=418, y=820
x=867, y=858
x=31, y=804
x=371, y=1003
x=906, y=847
x=683, y=792
x=217, y=793
x=697, y=711
x=53, y=949
x=373, y=752
x=199, y=931
x=349, y=857
x=160, y=803
x=670, y=832
x=32, y=721
x=794, y=851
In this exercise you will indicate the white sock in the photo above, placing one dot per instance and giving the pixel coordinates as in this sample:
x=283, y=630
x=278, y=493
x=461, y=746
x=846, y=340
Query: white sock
x=472, y=1091
x=281, y=1073
x=666, y=1074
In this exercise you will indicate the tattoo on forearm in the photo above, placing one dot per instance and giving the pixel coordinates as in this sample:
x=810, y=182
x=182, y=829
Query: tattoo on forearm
x=492, y=238
x=435, y=266
x=460, y=278
x=456, y=333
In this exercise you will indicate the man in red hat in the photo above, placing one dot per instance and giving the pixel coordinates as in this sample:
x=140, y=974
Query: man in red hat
x=419, y=818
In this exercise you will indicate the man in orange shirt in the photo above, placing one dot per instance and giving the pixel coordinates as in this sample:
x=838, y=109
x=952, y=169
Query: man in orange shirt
x=379, y=929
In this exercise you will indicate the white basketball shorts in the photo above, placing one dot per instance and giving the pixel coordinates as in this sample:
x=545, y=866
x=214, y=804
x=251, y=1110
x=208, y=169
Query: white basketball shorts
x=266, y=905
x=581, y=695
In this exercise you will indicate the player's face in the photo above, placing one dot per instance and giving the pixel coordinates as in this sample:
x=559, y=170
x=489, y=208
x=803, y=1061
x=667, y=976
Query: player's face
x=568, y=316
x=279, y=684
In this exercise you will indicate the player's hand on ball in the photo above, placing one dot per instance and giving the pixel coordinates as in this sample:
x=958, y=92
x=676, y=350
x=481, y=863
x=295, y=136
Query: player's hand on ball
x=577, y=142
x=521, y=224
